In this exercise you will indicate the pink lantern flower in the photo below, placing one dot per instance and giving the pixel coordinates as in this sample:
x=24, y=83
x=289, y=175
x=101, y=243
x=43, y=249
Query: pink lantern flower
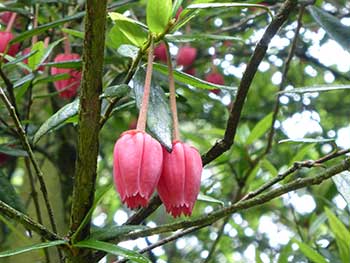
x=160, y=53
x=186, y=56
x=179, y=183
x=70, y=85
x=137, y=167
x=215, y=78
x=5, y=38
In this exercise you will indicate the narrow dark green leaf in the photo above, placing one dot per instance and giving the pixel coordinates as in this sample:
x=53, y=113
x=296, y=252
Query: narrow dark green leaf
x=77, y=64
x=72, y=32
x=285, y=253
x=257, y=256
x=26, y=79
x=190, y=80
x=40, y=29
x=51, y=78
x=21, y=11
x=310, y=253
x=12, y=151
x=21, y=250
x=112, y=249
x=159, y=117
x=158, y=15
x=206, y=198
x=342, y=182
x=334, y=28
x=115, y=91
x=342, y=235
x=110, y=232
x=8, y=194
x=260, y=129
x=316, y=89
x=57, y=119
x=48, y=50
x=269, y=167
x=126, y=31
x=176, y=6
x=199, y=37
x=300, y=154
x=307, y=140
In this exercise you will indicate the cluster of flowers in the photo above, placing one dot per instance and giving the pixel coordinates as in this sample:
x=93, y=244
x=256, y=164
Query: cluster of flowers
x=67, y=88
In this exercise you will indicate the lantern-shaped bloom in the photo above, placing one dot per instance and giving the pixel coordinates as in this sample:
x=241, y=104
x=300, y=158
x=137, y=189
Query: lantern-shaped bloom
x=70, y=85
x=179, y=183
x=160, y=53
x=215, y=78
x=137, y=167
x=186, y=56
x=5, y=38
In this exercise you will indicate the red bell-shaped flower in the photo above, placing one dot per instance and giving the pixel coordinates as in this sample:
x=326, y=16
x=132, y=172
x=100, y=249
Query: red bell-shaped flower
x=5, y=38
x=160, y=53
x=70, y=85
x=137, y=167
x=186, y=56
x=179, y=183
x=215, y=78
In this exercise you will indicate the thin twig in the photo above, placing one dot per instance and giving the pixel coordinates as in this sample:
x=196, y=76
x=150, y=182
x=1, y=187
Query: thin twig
x=26, y=146
x=225, y=144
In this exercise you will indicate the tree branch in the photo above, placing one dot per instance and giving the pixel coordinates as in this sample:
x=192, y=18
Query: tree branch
x=89, y=117
x=241, y=205
x=28, y=222
x=231, y=127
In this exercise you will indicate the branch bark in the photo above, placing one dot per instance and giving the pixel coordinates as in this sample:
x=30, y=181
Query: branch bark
x=231, y=127
x=89, y=116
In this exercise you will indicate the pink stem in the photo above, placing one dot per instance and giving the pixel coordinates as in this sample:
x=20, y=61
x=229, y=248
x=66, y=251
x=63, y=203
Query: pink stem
x=11, y=22
x=141, y=122
x=176, y=133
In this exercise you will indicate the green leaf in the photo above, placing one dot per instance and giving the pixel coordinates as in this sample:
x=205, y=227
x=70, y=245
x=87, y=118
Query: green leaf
x=342, y=235
x=129, y=51
x=176, y=6
x=117, y=91
x=334, y=28
x=126, y=31
x=112, y=249
x=35, y=60
x=110, y=232
x=8, y=193
x=21, y=250
x=46, y=79
x=25, y=80
x=342, y=182
x=12, y=151
x=57, y=119
x=260, y=129
x=206, y=198
x=76, y=64
x=299, y=156
x=158, y=15
x=159, y=119
x=257, y=256
x=73, y=32
x=310, y=253
x=269, y=167
x=316, y=89
x=307, y=140
x=190, y=80
x=199, y=37
x=40, y=29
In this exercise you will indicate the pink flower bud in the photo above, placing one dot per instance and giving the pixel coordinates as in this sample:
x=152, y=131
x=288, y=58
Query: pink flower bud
x=215, y=78
x=160, y=53
x=179, y=183
x=137, y=167
x=70, y=85
x=186, y=56
x=5, y=38
x=5, y=18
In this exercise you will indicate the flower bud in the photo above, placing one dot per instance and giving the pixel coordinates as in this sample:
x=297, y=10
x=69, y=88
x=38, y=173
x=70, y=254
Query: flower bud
x=70, y=85
x=186, y=56
x=179, y=183
x=5, y=38
x=137, y=167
